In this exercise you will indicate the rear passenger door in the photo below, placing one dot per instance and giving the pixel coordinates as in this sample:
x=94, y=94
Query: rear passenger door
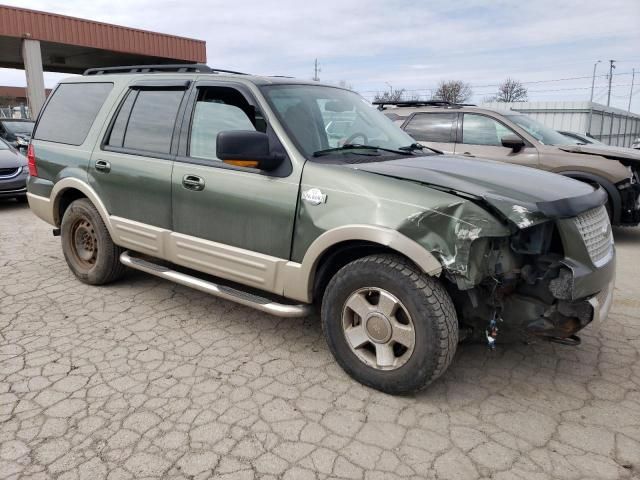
x=482, y=137
x=436, y=130
x=131, y=170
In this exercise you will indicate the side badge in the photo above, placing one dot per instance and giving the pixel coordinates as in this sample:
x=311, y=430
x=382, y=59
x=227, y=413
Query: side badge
x=314, y=196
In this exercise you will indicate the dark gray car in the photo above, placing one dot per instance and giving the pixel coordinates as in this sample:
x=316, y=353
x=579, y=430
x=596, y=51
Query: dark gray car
x=13, y=173
x=16, y=131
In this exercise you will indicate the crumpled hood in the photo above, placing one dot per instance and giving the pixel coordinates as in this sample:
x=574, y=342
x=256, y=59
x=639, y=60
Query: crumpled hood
x=618, y=153
x=523, y=195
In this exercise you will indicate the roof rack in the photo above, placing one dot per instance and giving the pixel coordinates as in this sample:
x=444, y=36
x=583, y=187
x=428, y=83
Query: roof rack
x=421, y=103
x=178, y=68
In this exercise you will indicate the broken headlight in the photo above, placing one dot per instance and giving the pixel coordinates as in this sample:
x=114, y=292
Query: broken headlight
x=536, y=240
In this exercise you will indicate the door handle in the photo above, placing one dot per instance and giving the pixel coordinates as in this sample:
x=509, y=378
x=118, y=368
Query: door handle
x=468, y=154
x=193, y=182
x=103, y=166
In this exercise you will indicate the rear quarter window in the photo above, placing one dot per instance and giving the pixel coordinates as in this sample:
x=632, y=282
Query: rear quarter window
x=71, y=111
x=432, y=127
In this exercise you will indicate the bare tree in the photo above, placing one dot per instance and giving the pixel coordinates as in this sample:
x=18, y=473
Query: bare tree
x=511, y=90
x=453, y=91
x=390, y=95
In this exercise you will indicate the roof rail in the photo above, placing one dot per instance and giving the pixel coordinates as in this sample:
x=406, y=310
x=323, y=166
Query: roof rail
x=421, y=103
x=178, y=68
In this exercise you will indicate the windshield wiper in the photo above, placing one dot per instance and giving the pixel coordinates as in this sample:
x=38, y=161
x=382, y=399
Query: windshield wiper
x=417, y=146
x=355, y=146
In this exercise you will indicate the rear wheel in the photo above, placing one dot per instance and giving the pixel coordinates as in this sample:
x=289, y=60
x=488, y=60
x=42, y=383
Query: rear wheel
x=389, y=325
x=87, y=246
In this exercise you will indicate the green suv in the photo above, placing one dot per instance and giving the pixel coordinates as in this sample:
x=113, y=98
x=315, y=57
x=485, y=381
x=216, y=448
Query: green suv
x=281, y=194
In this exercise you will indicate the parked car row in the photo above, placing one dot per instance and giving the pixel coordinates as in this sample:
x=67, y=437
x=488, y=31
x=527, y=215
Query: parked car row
x=516, y=138
x=17, y=132
x=282, y=195
x=13, y=173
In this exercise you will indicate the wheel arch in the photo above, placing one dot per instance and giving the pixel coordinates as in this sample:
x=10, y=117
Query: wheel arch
x=609, y=187
x=337, y=247
x=67, y=190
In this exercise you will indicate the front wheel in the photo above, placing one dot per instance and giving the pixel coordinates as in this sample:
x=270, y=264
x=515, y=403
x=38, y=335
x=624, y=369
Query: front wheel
x=389, y=325
x=87, y=246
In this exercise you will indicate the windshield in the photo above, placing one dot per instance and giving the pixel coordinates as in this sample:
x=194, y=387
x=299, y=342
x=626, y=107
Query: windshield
x=19, y=127
x=319, y=118
x=3, y=145
x=545, y=135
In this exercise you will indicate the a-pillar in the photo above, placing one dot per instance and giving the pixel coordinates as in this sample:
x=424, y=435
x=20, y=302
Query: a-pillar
x=32, y=58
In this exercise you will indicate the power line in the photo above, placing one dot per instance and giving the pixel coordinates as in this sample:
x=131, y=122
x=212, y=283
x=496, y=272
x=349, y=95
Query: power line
x=527, y=83
x=418, y=90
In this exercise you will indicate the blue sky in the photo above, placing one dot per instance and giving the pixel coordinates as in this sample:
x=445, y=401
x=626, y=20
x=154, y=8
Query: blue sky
x=372, y=44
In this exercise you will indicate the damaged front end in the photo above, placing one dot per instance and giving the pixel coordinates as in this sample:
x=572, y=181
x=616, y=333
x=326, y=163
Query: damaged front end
x=543, y=270
x=522, y=250
x=550, y=278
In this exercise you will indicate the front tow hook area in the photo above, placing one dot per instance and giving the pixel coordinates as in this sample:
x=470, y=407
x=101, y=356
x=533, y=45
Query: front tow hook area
x=561, y=323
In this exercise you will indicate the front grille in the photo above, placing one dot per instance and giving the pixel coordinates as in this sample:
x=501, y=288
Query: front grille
x=9, y=172
x=595, y=229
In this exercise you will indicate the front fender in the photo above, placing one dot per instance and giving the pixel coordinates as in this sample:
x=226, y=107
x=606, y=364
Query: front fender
x=301, y=277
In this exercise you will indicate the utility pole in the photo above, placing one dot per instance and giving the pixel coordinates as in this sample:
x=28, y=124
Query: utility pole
x=316, y=71
x=626, y=119
x=611, y=67
x=593, y=83
x=633, y=76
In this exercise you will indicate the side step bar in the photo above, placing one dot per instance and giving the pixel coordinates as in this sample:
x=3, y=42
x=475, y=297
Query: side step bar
x=222, y=291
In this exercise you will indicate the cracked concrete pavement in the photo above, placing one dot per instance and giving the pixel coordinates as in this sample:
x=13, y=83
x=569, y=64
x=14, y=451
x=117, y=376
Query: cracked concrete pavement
x=146, y=379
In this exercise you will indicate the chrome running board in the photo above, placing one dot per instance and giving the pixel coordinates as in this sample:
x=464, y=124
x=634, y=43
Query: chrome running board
x=222, y=291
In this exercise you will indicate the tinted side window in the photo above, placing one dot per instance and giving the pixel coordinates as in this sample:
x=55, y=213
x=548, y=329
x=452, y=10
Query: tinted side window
x=482, y=130
x=432, y=127
x=220, y=109
x=116, y=137
x=150, y=121
x=71, y=111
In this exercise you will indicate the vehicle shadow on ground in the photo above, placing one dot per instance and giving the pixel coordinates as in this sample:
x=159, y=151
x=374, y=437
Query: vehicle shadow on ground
x=626, y=235
x=476, y=372
x=10, y=204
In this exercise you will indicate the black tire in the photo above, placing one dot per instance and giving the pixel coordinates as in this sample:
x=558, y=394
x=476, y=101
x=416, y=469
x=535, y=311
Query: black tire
x=426, y=301
x=21, y=199
x=82, y=220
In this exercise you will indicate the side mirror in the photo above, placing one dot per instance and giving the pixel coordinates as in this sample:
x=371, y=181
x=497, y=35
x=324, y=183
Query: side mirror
x=513, y=142
x=246, y=148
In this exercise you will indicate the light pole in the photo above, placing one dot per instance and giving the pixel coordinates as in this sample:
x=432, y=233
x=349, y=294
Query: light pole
x=593, y=82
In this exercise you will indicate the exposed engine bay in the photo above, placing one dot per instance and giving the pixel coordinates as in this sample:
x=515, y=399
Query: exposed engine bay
x=531, y=289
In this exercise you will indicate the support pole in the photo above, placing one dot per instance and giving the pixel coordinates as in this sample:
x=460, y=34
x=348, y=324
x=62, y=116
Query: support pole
x=624, y=139
x=32, y=58
x=593, y=83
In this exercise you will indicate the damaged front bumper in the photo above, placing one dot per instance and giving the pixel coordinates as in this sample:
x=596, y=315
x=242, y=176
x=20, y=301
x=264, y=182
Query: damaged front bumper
x=565, y=319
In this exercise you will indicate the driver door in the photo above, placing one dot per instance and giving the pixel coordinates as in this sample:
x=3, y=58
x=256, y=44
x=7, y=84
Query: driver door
x=482, y=137
x=244, y=211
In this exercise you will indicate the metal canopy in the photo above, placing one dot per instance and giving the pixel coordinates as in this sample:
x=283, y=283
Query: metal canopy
x=72, y=45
